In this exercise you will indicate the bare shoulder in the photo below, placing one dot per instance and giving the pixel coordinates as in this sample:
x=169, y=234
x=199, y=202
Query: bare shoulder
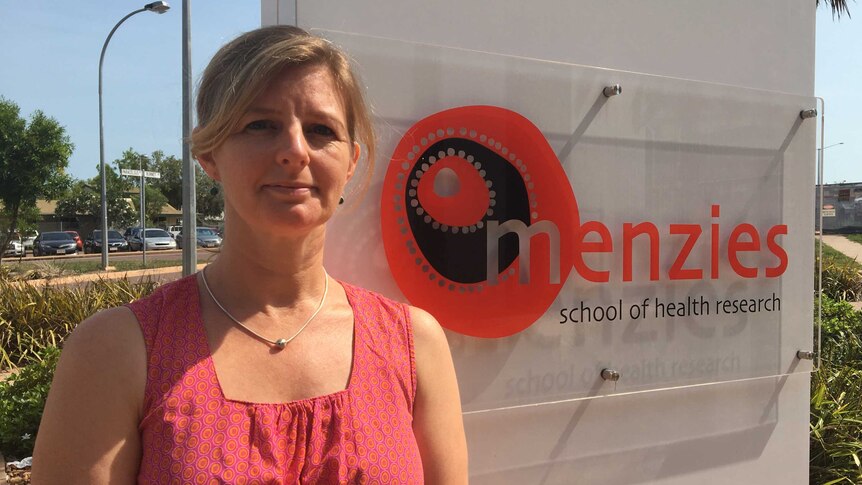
x=110, y=345
x=427, y=332
x=437, y=422
x=107, y=350
x=89, y=426
x=107, y=331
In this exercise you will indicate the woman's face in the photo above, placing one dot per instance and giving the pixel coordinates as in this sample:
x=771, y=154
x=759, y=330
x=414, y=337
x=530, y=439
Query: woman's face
x=285, y=165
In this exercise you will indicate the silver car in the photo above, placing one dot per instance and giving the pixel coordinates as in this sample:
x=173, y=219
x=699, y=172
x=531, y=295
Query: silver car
x=155, y=239
x=14, y=248
x=28, y=239
x=206, y=238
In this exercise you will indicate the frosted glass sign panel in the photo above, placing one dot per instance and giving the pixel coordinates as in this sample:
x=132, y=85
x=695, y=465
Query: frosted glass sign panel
x=561, y=221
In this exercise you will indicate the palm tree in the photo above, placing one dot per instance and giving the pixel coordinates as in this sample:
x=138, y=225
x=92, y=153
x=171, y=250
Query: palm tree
x=838, y=7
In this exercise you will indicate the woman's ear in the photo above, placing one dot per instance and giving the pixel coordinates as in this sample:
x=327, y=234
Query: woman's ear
x=357, y=151
x=208, y=164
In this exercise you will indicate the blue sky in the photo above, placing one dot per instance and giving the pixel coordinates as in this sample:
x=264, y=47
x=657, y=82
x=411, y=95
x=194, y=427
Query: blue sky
x=50, y=58
x=50, y=61
x=838, y=71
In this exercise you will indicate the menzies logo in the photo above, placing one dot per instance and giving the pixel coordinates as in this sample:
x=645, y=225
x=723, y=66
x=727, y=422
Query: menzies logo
x=481, y=227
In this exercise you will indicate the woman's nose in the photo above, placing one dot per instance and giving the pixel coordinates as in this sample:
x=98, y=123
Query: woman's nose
x=293, y=147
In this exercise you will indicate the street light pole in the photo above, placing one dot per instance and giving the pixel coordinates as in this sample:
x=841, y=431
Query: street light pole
x=830, y=146
x=158, y=7
x=190, y=207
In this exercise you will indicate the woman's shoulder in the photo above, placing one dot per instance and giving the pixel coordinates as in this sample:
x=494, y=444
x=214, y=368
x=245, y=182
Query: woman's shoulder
x=375, y=305
x=113, y=342
x=426, y=331
x=109, y=339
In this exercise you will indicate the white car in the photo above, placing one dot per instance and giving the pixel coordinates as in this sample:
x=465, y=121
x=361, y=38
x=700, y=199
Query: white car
x=155, y=239
x=14, y=248
x=28, y=239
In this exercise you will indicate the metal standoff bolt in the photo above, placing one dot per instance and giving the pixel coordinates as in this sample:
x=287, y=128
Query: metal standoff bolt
x=806, y=113
x=610, y=375
x=804, y=355
x=612, y=90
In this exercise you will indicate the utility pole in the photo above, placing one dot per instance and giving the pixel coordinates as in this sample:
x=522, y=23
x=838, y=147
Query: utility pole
x=190, y=206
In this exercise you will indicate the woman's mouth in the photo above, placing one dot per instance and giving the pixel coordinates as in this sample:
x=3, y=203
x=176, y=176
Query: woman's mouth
x=289, y=190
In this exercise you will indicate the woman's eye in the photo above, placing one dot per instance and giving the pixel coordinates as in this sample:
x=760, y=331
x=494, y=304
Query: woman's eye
x=321, y=130
x=260, y=125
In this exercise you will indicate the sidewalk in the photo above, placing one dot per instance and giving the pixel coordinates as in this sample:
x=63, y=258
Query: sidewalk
x=848, y=248
x=160, y=275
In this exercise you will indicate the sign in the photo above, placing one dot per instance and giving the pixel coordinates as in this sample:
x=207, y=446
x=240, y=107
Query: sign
x=556, y=232
x=137, y=173
x=828, y=211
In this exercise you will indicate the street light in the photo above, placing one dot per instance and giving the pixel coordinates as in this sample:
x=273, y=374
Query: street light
x=157, y=7
x=830, y=146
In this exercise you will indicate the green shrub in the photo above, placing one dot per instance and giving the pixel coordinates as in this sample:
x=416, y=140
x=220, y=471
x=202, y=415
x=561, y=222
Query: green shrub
x=32, y=318
x=841, y=276
x=836, y=398
x=22, y=399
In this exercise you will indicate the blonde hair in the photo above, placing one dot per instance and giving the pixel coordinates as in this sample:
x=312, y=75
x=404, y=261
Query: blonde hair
x=241, y=69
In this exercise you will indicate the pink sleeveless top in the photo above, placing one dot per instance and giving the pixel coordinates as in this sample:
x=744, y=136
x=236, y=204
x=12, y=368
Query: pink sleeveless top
x=191, y=433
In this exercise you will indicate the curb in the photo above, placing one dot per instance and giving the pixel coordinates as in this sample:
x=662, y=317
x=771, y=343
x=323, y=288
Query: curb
x=160, y=275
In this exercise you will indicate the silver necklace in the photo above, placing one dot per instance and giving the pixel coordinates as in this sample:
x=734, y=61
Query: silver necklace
x=282, y=342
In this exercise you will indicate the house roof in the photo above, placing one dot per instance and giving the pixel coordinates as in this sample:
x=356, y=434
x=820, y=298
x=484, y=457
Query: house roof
x=49, y=208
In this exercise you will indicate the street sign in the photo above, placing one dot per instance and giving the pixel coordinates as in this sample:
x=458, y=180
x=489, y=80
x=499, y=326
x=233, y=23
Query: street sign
x=143, y=174
x=137, y=173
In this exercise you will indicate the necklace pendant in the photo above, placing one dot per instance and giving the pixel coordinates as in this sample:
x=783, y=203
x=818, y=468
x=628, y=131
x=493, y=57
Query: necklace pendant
x=280, y=343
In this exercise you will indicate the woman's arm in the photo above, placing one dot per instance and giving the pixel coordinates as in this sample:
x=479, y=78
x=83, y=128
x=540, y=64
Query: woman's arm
x=437, y=421
x=89, y=430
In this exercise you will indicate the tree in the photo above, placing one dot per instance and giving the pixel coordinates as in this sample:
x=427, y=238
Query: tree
x=210, y=202
x=155, y=202
x=85, y=198
x=33, y=159
x=171, y=183
x=839, y=7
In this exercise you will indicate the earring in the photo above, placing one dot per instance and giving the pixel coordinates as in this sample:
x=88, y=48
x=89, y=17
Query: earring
x=341, y=200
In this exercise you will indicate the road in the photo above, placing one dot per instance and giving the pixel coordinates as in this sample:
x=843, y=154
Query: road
x=161, y=255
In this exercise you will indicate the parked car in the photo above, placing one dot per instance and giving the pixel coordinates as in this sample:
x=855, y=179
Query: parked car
x=77, y=239
x=155, y=238
x=116, y=242
x=14, y=248
x=174, y=230
x=206, y=238
x=28, y=239
x=54, y=242
x=129, y=234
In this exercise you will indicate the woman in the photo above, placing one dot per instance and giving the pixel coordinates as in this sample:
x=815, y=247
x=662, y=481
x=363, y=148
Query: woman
x=262, y=368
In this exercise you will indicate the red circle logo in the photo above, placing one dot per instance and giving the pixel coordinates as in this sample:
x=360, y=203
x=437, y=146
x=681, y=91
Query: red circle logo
x=477, y=219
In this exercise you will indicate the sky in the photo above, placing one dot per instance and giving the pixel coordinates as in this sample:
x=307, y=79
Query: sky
x=49, y=58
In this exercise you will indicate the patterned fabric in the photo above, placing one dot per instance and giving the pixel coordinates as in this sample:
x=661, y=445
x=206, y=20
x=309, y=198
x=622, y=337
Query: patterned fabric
x=191, y=433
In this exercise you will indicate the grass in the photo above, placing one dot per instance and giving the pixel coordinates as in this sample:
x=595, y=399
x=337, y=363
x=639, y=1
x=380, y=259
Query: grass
x=831, y=254
x=857, y=238
x=33, y=318
x=68, y=268
x=842, y=276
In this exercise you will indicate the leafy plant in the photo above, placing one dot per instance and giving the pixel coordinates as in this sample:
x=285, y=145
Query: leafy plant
x=836, y=398
x=22, y=400
x=842, y=279
x=33, y=318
